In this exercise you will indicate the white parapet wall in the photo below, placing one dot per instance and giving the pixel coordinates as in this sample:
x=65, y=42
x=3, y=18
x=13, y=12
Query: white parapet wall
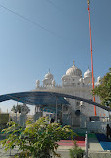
x=97, y=126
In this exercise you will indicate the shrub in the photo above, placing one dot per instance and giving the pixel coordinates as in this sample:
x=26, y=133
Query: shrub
x=38, y=139
x=76, y=152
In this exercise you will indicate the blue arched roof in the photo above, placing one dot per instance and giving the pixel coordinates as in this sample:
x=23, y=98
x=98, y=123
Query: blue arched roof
x=45, y=98
x=35, y=98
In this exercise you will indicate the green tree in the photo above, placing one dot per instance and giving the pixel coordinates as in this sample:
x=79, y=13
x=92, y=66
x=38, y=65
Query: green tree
x=18, y=108
x=38, y=139
x=14, y=109
x=104, y=89
x=12, y=132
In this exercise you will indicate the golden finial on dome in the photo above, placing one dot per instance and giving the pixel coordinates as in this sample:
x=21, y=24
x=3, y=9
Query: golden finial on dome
x=73, y=62
x=88, y=2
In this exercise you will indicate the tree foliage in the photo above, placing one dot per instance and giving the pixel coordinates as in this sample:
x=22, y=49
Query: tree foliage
x=38, y=139
x=104, y=89
x=18, y=108
x=12, y=133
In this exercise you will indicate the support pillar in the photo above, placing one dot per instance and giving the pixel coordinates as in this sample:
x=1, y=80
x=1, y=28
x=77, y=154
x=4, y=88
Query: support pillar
x=86, y=145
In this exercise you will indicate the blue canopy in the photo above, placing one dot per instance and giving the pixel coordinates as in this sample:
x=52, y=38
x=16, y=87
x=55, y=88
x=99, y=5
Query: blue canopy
x=46, y=98
x=35, y=98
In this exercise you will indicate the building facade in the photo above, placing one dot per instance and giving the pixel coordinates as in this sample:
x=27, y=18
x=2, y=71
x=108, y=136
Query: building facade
x=74, y=83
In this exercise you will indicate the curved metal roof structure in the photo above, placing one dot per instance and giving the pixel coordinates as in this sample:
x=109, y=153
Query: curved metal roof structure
x=45, y=98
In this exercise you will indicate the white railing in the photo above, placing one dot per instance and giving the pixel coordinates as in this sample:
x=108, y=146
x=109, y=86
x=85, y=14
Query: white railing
x=97, y=126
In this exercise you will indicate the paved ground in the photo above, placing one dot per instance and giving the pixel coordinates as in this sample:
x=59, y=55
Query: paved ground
x=94, y=145
x=4, y=154
x=95, y=150
x=63, y=150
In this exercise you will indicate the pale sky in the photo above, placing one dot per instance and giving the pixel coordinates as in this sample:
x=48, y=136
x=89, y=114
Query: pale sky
x=38, y=35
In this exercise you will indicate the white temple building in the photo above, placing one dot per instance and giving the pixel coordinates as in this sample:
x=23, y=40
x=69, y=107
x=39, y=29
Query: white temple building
x=74, y=83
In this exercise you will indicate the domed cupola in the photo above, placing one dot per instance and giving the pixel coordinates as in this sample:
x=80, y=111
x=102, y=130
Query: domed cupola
x=72, y=76
x=49, y=76
x=74, y=71
x=88, y=73
x=88, y=77
x=98, y=81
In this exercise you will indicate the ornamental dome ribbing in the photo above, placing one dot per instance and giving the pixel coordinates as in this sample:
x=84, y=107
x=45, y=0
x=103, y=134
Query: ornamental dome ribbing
x=74, y=71
x=49, y=76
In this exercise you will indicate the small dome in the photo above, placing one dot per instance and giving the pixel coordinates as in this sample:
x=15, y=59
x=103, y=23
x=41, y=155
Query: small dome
x=37, y=82
x=74, y=71
x=49, y=76
x=98, y=79
x=88, y=73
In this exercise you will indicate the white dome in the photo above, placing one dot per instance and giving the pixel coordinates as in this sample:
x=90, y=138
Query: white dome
x=49, y=76
x=37, y=82
x=88, y=73
x=74, y=71
x=98, y=79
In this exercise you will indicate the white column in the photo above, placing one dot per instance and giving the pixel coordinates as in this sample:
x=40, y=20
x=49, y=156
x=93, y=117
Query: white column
x=86, y=145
